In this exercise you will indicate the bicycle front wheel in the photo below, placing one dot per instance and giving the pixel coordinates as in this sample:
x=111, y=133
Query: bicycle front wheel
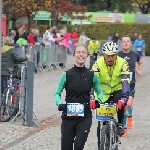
x=9, y=105
x=104, y=138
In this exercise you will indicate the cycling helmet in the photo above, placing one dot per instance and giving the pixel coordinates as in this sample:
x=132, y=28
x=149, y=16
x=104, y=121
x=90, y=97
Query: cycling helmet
x=93, y=38
x=110, y=48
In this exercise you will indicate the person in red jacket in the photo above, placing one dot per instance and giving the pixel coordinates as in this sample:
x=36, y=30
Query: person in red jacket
x=75, y=36
x=30, y=38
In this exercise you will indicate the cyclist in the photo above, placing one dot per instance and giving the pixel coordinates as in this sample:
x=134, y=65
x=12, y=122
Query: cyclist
x=113, y=73
x=77, y=82
x=131, y=57
x=93, y=49
x=10, y=59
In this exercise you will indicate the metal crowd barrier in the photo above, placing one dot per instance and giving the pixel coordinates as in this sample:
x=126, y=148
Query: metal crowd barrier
x=61, y=56
x=45, y=57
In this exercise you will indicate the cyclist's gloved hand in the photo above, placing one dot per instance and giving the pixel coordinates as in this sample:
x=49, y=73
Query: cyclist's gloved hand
x=121, y=103
x=61, y=107
x=92, y=102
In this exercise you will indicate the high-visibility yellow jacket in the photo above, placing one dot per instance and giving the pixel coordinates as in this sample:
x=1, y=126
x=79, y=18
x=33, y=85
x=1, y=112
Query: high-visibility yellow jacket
x=93, y=46
x=111, y=81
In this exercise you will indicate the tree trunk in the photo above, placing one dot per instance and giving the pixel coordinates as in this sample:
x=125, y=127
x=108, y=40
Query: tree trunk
x=8, y=19
x=29, y=21
x=13, y=23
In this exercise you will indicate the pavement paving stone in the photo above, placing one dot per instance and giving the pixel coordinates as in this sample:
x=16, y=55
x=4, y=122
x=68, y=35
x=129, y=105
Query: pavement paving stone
x=48, y=137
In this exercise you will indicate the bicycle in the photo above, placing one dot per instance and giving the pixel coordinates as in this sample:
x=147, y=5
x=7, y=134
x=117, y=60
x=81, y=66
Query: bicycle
x=9, y=104
x=108, y=137
x=93, y=58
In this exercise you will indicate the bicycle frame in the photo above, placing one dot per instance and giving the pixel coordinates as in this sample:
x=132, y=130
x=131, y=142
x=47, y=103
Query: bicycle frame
x=10, y=83
x=111, y=123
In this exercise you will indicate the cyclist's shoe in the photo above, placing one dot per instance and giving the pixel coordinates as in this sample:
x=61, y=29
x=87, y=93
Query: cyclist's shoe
x=129, y=122
x=120, y=129
x=125, y=133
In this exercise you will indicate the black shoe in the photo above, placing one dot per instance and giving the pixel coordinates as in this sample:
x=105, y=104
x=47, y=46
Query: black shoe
x=120, y=129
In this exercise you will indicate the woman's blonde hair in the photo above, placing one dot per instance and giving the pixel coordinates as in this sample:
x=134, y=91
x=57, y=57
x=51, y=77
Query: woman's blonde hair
x=79, y=44
x=7, y=41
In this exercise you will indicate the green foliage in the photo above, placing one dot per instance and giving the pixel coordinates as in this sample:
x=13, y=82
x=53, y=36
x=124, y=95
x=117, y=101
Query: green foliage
x=108, y=5
x=103, y=30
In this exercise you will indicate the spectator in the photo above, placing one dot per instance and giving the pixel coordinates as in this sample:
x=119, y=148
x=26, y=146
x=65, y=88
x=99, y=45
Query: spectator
x=134, y=37
x=139, y=44
x=48, y=36
x=21, y=30
x=13, y=35
x=10, y=59
x=31, y=37
x=109, y=39
x=62, y=31
x=83, y=38
x=56, y=35
x=39, y=40
x=31, y=41
x=22, y=41
x=115, y=38
x=65, y=41
x=75, y=36
x=17, y=34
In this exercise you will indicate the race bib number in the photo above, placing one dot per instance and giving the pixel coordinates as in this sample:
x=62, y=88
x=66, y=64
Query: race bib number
x=75, y=109
x=139, y=49
x=104, y=113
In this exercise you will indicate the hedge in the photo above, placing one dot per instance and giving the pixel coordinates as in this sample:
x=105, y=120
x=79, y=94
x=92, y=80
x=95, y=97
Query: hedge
x=103, y=30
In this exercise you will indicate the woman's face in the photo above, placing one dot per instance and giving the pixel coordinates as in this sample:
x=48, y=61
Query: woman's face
x=80, y=56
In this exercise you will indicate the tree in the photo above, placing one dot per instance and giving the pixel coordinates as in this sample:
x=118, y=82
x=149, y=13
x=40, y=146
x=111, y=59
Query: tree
x=15, y=9
x=63, y=7
x=121, y=5
x=144, y=5
x=108, y=5
x=7, y=10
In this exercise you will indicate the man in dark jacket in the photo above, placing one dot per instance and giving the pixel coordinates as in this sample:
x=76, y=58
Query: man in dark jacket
x=134, y=37
x=10, y=59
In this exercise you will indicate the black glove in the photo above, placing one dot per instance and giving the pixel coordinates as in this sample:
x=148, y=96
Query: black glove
x=61, y=107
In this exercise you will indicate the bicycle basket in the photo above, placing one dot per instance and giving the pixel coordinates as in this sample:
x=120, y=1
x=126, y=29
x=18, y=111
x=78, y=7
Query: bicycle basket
x=105, y=112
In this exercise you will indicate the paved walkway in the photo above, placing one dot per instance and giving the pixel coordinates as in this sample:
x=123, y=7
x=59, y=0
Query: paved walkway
x=47, y=136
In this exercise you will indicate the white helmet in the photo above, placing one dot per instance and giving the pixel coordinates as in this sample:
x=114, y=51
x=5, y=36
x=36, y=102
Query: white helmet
x=110, y=48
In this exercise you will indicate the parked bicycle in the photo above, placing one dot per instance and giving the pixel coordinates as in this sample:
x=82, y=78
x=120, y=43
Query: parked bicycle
x=108, y=139
x=9, y=104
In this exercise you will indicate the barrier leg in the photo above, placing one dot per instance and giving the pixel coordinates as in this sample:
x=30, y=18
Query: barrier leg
x=29, y=95
x=57, y=66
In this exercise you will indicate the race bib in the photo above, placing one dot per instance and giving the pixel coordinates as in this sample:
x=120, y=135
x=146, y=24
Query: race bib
x=139, y=49
x=105, y=112
x=75, y=109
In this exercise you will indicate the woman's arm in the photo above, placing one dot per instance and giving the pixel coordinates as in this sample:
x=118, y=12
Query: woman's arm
x=97, y=88
x=59, y=89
